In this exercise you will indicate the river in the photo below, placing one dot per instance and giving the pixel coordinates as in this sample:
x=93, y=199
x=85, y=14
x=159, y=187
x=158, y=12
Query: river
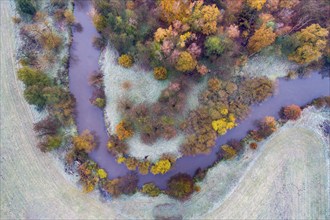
x=299, y=91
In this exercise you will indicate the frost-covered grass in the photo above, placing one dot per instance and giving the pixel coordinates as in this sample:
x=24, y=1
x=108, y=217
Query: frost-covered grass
x=271, y=66
x=143, y=88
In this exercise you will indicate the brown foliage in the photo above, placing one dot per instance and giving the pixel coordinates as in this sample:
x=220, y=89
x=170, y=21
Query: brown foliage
x=116, y=146
x=291, y=112
x=85, y=141
x=47, y=126
x=180, y=186
x=122, y=185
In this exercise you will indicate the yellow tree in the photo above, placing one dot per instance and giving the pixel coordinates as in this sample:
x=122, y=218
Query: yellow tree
x=263, y=37
x=312, y=41
x=185, y=62
x=162, y=166
x=256, y=4
x=172, y=10
x=85, y=141
x=204, y=18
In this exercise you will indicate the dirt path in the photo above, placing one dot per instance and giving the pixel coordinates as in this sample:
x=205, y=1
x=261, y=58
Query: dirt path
x=288, y=180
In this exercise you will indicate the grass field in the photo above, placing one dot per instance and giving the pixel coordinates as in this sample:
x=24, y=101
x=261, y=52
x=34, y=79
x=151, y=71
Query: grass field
x=287, y=177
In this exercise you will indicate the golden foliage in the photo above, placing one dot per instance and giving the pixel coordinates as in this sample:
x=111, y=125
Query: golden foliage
x=204, y=18
x=263, y=37
x=162, y=33
x=131, y=163
x=101, y=173
x=312, y=41
x=124, y=130
x=185, y=62
x=125, y=60
x=161, y=167
x=256, y=4
x=225, y=123
x=172, y=10
x=85, y=141
x=160, y=73
x=214, y=84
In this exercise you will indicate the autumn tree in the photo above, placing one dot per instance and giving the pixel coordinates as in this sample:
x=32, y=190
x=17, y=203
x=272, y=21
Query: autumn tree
x=47, y=126
x=180, y=186
x=256, y=4
x=262, y=38
x=160, y=73
x=124, y=130
x=204, y=18
x=161, y=167
x=311, y=43
x=172, y=10
x=291, y=112
x=267, y=126
x=125, y=60
x=85, y=141
x=151, y=190
x=185, y=62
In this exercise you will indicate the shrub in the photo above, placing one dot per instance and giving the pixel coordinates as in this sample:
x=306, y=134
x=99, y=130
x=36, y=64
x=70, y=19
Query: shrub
x=85, y=141
x=89, y=177
x=64, y=110
x=50, y=40
x=124, y=130
x=161, y=167
x=256, y=4
x=102, y=174
x=185, y=62
x=291, y=112
x=227, y=151
x=151, y=190
x=200, y=174
x=125, y=60
x=99, y=102
x=180, y=186
x=253, y=145
x=160, y=73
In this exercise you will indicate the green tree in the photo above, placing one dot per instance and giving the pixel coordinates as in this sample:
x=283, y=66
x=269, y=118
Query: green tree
x=214, y=45
x=31, y=77
x=34, y=96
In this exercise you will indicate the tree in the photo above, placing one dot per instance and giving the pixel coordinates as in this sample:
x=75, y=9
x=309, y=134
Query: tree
x=263, y=37
x=30, y=76
x=267, y=126
x=124, y=130
x=172, y=10
x=160, y=73
x=185, y=62
x=125, y=60
x=256, y=4
x=47, y=126
x=26, y=6
x=180, y=186
x=85, y=141
x=291, y=112
x=214, y=45
x=312, y=41
x=162, y=166
x=34, y=96
x=204, y=18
